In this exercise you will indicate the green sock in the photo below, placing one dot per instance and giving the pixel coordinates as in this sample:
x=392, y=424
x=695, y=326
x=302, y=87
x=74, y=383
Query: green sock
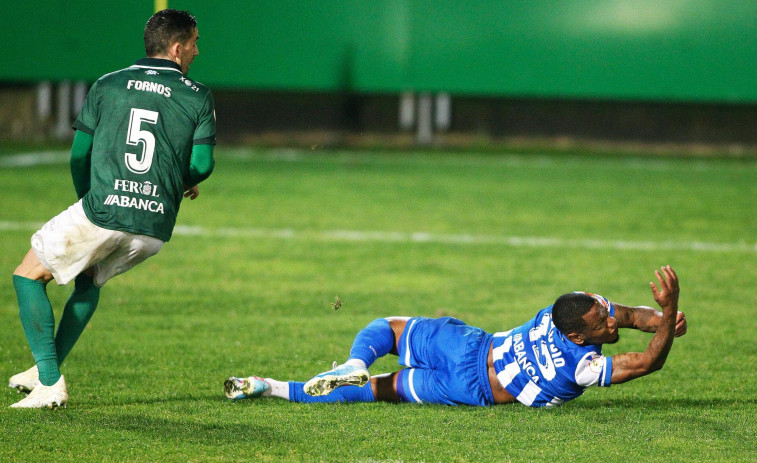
x=38, y=321
x=76, y=314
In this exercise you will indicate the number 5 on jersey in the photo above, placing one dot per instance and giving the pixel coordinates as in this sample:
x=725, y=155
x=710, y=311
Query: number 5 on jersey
x=140, y=164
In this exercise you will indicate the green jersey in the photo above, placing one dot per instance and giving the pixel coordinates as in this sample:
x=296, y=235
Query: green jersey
x=144, y=121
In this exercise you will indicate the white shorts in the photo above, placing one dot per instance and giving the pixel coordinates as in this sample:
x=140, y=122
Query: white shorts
x=69, y=243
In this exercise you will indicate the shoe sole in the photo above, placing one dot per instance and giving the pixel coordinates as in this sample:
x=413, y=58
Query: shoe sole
x=52, y=406
x=325, y=385
x=235, y=392
x=231, y=391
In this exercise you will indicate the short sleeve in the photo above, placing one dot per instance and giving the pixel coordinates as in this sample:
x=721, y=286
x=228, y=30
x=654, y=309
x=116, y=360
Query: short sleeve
x=205, y=133
x=594, y=370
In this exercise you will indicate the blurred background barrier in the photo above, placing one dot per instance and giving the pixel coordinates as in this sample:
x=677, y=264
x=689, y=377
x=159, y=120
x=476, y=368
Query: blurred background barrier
x=429, y=72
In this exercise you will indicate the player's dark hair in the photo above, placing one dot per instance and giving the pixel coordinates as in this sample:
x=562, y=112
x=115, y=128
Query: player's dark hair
x=568, y=310
x=167, y=27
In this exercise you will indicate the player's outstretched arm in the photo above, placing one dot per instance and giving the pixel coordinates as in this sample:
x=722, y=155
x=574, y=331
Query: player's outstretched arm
x=646, y=319
x=632, y=365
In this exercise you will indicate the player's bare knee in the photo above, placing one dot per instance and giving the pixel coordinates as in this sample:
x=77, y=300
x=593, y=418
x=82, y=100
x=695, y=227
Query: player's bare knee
x=33, y=269
x=385, y=387
x=38, y=273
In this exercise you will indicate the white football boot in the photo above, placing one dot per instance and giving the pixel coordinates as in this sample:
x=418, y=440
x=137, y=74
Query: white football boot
x=242, y=388
x=25, y=381
x=339, y=375
x=46, y=396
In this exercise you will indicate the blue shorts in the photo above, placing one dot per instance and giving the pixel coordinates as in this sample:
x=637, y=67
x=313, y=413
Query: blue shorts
x=446, y=363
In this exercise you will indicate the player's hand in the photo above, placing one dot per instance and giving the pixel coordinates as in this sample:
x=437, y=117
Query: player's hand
x=666, y=294
x=191, y=192
x=681, y=326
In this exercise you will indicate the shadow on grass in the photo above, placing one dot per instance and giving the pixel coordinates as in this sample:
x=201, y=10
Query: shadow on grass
x=205, y=420
x=181, y=429
x=187, y=398
x=579, y=404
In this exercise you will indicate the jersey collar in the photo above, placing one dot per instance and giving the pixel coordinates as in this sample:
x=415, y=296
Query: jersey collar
x=157, y=63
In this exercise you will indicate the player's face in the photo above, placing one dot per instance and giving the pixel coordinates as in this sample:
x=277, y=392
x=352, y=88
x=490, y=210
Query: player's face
x=601, y=328
x=188, y=51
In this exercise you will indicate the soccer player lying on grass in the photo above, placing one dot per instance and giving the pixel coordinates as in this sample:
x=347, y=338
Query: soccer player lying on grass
x=549, y=360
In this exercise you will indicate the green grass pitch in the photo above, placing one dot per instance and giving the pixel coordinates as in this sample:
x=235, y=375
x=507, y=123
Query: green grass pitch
x=246, y=286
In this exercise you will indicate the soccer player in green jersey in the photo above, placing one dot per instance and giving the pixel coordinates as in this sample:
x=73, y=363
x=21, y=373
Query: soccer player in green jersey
x=144, y=140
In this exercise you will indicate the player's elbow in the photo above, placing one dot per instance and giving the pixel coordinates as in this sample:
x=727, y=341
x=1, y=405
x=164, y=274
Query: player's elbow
x=635, y=365
x=653, y=365
x=647, y=366
x=204, y=167
x=657, y=366
x=201, y=164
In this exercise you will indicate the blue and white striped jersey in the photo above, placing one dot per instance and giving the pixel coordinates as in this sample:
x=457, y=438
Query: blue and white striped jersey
x=540, y=367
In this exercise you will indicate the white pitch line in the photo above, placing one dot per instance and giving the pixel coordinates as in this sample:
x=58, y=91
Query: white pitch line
x=467, y=239
x=20, y=226
x=35, y=159
x=423, y=237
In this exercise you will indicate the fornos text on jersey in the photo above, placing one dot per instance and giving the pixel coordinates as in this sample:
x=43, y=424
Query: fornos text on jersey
x=146, y=86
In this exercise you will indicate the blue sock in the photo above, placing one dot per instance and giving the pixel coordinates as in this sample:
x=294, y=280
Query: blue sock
x=374, y=341
x=340, y=394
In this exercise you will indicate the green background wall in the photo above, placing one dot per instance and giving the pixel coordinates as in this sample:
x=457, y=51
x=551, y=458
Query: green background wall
x=658, y=50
